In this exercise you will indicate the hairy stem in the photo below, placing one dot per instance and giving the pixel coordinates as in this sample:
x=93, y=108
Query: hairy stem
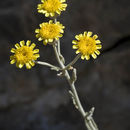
x=58, y=46
x=72, y=62
x=48, y=65
x=89, y=122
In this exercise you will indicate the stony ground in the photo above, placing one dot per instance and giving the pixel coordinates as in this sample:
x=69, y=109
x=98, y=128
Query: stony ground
x=37, y=99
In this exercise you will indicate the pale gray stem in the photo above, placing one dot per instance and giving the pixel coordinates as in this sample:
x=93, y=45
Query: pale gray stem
x=55, y=20
x=72, y=62
x=58, y=44
x=89, y=122
x=58, y=41
x=48, y=65
x=58, y=47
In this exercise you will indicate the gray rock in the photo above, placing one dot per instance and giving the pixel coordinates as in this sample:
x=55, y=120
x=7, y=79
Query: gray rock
x=37, y=99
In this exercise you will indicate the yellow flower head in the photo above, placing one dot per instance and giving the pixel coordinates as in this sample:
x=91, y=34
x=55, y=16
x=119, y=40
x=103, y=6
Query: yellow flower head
x=87, y=45
x=49, y=32
x=24, y=54
x=52, y=7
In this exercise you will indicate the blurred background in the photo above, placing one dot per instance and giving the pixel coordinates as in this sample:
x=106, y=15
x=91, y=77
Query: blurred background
x=37, y=99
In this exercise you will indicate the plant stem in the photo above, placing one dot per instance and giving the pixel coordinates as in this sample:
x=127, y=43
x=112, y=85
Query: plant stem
x=72, y=62
x=58, y=47
x=89, y=122
x=58, y=41
x=48, y=65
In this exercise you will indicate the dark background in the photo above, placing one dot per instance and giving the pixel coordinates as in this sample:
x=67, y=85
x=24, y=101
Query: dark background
x=37, y=99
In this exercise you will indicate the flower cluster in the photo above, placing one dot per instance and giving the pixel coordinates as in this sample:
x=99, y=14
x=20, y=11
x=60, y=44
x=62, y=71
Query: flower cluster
x=52, y=30
x=49, y=32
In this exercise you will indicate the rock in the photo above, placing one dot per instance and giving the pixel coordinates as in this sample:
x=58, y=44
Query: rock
x=37, y=99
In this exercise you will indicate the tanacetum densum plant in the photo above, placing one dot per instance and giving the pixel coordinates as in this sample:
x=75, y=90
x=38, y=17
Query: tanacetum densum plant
x=86, y=44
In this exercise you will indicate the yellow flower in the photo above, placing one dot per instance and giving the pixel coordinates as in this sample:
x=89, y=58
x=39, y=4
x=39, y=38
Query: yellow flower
x=49, y=32
x=24, y=54
x=87, y=45
x=52, y=7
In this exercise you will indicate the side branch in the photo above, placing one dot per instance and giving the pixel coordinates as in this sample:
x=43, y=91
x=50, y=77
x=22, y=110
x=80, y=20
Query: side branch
x=72, y=62
x=48, y=65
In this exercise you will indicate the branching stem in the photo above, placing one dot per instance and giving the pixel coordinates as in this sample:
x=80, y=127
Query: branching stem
x=87, y=116
x=48, y=65
x=72, y=62
x=89, y=122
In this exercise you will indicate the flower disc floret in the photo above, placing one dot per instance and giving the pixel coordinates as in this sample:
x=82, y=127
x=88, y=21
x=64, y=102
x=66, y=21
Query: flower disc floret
x=49, y=32
x=52, y=8
x=87, y=45
x=24, y=54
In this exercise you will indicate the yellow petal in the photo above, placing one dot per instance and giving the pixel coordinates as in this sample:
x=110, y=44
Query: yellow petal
x=85, y=33
x=50, y=22
x=17, y=64
x=36, y=51
x=31, y=63
x=62, y=26
x=22, y=43
x=77, y=37
x=42, y=11
x=41, y=25
x=13, y=50
x=77, y=52
x=33, y=45
x=17, y=45
x=28, y=42
x=89, y=34
x=52, y=14
x=21, y=65
x=98, y=41
x=12, y=61
x=56, y=38
x=58, y=12
x=94, y=55
x=37, y=36
x=80, y=35
x=97, y=52
x=45, y=42
x=57, y=23
x=99, y=46
x=63, y=0
x=82, y=57
x=60, y=35
x=62, y=31
x=37, y=31
x=37, y=55
x=95, y=37
x=47, y=14
x=39, y=39
x=64, y=5
x=74, y=47
x=74, y=42
x=28, y=66
x=50, y=40
x=42, y=1
x=87, y=57
x=11, y=57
